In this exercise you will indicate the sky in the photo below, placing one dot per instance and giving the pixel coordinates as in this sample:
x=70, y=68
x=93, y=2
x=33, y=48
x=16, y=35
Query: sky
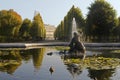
x=51, y=11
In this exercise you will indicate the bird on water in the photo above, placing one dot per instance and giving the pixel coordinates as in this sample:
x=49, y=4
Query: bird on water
x=51, y=69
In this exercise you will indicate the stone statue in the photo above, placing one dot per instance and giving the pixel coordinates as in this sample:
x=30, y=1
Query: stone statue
x=75, y=45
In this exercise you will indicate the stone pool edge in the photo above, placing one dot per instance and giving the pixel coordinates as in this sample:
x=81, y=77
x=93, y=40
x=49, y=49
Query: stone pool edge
x=30, y=45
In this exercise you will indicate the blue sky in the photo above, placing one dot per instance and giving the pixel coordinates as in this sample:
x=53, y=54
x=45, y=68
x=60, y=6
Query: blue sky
x=52, y=11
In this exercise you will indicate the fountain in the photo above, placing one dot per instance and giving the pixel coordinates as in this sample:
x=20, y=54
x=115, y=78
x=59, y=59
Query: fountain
x=74, y=27
x=75, y=45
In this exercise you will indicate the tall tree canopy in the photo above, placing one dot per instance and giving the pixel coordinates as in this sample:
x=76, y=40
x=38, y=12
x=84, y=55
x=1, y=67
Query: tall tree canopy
x=10, y=22
x=24, y=31
x=37, y=31
x=64, y=29
x=101, y=19
x=116, y=31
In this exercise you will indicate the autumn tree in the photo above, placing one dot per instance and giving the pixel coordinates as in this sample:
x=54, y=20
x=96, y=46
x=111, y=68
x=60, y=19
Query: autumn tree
x=37, y=30
x=10, y=22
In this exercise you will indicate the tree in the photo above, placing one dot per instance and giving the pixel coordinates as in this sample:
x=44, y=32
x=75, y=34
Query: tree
x=101, y=19
x=37, y=30
x=116, y=30
x=24, y=31
x=65, y=32
x=10, y=22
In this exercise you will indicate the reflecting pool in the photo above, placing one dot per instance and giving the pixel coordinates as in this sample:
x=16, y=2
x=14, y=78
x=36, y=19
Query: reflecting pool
x=34, y=64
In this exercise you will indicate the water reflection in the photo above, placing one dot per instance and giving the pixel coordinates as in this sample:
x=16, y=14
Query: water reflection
x=101, y=74
x=74, y=71
x=105, y=58
x=37, y=55
x=23, y=65
x=105, y=74
x=10, y=60
x=111, y=54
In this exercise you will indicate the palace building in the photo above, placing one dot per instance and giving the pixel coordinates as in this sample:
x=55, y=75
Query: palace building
x=50, y=31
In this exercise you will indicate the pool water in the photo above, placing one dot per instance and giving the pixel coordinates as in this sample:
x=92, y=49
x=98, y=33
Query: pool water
x=34, y=64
